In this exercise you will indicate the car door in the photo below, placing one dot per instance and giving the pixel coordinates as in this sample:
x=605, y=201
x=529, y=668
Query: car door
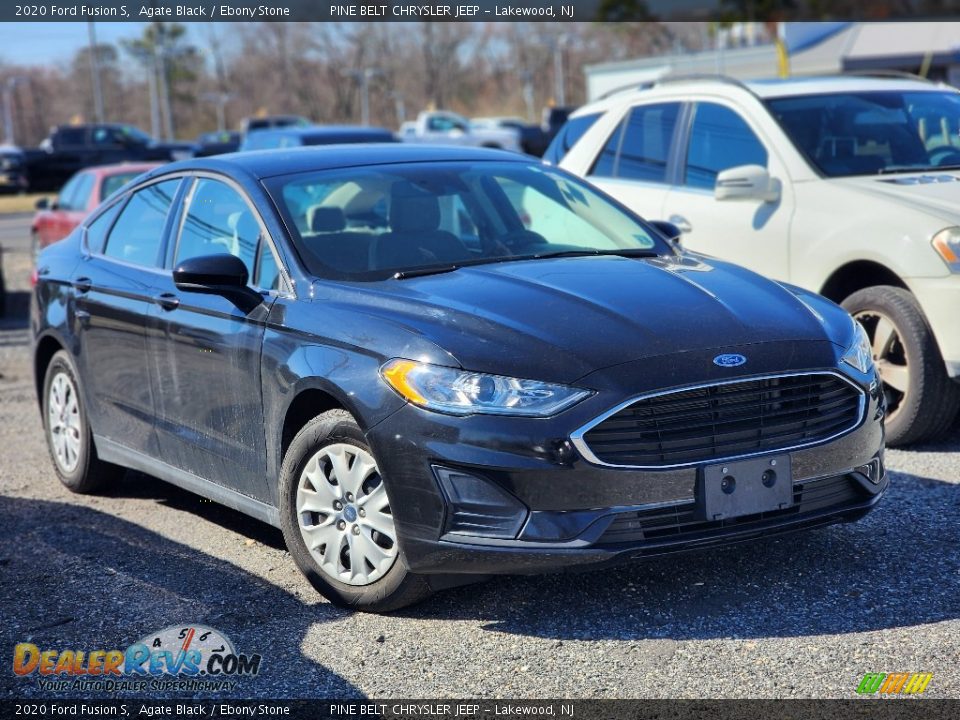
x=634, y=165
x=204, y=350
x=113, y=287
x=750, y=232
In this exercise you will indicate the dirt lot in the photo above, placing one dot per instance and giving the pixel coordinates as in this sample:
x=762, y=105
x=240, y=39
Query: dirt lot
x=805, y=616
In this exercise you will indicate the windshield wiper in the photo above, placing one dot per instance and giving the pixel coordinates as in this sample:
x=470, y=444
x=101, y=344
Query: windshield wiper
x=420, y=272
x=440, y=269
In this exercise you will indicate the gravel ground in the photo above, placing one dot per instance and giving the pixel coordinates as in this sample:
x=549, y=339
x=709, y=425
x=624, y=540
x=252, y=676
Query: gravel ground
x=805, y=616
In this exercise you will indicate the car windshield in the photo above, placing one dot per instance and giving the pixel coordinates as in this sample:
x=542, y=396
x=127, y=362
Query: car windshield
x=373, y=222
x=136, y=134
x=865, y=133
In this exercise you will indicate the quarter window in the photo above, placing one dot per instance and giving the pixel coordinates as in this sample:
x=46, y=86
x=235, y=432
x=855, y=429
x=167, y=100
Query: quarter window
x=137, y=235
x=719, y=139
x=98, y=229
x=568, y=136
x=640, y=146
x=218, y=221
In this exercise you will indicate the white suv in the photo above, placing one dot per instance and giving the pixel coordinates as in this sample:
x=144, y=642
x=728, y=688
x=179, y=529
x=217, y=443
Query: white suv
x=849, y=186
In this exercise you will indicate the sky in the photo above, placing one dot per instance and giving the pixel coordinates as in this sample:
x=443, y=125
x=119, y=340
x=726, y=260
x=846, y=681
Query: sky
x=42, y=43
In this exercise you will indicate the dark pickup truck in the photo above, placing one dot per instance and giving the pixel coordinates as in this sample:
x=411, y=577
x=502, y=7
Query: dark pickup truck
x=70, y=148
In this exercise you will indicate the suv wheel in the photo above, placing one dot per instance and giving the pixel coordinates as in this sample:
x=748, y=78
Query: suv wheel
x=68, y=434
x=337, y=522
x=921, y=400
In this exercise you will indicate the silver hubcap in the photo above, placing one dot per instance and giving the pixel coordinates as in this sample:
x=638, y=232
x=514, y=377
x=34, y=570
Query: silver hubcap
x=344, y=515
x=63, y=421
x=890, y=356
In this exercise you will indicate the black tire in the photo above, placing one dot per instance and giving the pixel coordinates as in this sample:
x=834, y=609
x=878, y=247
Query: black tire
x=928, y=407
x=397, y=587
x=89, y=473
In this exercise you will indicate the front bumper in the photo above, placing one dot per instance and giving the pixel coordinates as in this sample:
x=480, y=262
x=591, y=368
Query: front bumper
x=939, y=298
x=582, y=514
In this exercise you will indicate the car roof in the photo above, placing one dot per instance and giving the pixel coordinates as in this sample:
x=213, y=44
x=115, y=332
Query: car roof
x=764, y=88
x=269, y=163
x=821, y=85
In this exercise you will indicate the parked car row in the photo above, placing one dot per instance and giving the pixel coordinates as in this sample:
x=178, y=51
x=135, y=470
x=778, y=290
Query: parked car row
x=846, y=186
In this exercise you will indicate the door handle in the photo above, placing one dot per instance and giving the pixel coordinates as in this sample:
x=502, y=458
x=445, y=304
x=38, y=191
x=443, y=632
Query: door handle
x=168, y=301
x=82, y=284
x=683, y=225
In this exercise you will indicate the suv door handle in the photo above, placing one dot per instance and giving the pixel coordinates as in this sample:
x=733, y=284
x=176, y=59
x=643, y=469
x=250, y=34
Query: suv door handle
x=82, y=284
x=168, y=301
x=683, y=225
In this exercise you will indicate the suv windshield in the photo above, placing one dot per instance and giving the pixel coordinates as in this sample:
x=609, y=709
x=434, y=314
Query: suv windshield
x=371, y=223
x=865, y=133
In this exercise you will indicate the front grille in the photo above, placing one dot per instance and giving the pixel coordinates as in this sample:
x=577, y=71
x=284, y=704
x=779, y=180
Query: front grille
x=683, y=523
x=727, y=420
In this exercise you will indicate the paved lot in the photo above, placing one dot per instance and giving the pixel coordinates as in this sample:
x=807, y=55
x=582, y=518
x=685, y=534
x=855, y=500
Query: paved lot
x=805, y=616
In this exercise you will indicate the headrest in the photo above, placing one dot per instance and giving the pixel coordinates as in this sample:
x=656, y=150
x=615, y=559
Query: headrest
x=327, y=219
x=413, y=210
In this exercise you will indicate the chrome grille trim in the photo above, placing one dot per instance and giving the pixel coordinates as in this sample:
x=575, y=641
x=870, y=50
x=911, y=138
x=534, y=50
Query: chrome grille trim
x=577, y=437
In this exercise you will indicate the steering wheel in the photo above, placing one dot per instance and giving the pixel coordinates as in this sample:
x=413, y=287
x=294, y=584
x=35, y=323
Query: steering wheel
x=945, y=156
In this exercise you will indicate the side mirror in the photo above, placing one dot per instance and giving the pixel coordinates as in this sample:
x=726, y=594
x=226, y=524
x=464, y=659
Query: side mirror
x=747, y=182
x=221, y=274
x=670, y=231
x=42, y=204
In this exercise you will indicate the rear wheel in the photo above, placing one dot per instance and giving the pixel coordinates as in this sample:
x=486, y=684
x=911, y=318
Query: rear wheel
x=69, y=438
x=337, y=521
x=921, y=400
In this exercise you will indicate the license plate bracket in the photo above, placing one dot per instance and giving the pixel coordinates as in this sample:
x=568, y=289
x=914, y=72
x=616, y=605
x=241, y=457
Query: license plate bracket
x=745, y=487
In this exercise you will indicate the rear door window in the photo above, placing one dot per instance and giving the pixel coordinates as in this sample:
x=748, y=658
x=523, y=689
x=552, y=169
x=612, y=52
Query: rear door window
x=719, y=140
x=137, y=235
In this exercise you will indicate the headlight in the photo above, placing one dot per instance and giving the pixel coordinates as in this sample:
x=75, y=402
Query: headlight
x=947, y=244
x=860, y=354
x=459, y=392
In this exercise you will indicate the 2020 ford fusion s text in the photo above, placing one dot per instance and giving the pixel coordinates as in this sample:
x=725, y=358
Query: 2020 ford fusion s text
x=427, y=365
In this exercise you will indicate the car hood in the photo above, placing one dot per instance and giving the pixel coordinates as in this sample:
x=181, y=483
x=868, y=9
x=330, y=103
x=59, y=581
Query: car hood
x=937, y=193
x=560, y=319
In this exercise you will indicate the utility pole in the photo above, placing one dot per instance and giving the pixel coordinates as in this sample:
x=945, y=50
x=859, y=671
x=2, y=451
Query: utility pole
x=220, y=99
x=95, y=74
x=163, y=86
x=363, y=78
x=559, y=90
x=8, y=90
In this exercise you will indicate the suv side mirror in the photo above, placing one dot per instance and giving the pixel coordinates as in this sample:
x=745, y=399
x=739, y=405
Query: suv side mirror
x=746, y=182
x=220, y=274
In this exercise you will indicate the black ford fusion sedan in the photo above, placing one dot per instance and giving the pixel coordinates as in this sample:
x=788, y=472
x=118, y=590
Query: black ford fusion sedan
x=428, y=365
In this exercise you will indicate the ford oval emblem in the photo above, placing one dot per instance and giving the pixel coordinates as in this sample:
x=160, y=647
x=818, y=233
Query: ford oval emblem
x=729, y=360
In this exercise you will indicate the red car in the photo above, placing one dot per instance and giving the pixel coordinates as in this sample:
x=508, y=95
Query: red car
x=82, y=193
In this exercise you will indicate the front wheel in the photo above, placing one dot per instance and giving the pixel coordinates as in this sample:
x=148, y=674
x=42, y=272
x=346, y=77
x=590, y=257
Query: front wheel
x=921, y=400
x=337, y=521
